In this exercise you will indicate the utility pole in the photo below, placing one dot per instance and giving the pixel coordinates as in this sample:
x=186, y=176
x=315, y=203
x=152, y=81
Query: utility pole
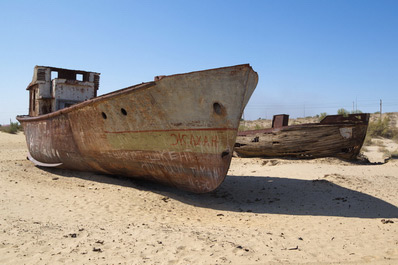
x=353, y=107
x=381, y=103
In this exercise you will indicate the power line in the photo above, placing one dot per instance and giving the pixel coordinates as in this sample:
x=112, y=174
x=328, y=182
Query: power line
x=320, y=105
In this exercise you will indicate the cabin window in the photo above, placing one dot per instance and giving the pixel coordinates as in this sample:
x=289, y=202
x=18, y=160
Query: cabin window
x=66, y=105
x=45, y=106
x=41, y=74
x=79, y=77
x=33, y=100
x=54, y=74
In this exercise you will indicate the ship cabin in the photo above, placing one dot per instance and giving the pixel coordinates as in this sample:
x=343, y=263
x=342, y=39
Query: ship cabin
x=53, y=89
x=280, y=120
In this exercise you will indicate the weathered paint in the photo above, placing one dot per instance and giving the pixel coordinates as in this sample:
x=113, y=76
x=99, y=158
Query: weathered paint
x=346, y=132
x=48, y=95
x=179, y=130
x=198, y=141
x=334, y=136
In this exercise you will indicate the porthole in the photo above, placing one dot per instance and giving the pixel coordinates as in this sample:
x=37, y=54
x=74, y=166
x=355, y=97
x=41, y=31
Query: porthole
x=217, y=108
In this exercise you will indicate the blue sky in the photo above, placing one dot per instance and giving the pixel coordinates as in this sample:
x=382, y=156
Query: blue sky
x=311, y=56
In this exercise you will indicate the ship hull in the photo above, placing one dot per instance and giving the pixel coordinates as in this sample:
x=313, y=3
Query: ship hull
x=179, y=130
x=336, y=136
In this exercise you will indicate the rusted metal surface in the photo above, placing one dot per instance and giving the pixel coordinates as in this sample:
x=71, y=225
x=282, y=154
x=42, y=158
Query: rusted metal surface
x=179, y=130
x=334, y=136
x=280, y=120
x=47, y=94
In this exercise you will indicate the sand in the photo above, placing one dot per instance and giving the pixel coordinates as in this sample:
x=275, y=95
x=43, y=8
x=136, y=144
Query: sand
x=267, y=211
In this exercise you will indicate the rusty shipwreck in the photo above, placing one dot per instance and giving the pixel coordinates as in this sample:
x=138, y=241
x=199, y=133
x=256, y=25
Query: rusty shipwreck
x=179, y=129
x=333, y=136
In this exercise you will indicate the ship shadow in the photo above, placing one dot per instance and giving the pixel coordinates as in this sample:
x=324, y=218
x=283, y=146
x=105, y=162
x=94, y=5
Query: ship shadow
x=274, y=195
x=263, y=195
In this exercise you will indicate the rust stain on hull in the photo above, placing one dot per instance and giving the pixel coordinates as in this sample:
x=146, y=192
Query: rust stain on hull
x=179, y=130
x=334, y=136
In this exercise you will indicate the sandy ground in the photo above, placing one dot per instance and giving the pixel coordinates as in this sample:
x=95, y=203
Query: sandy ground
x=267, y=211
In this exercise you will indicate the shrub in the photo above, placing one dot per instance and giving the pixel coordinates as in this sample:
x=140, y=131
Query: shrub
x=322, y=116
x=242, y=128
x=382, y=128
x=343, y=112
x=13, y=128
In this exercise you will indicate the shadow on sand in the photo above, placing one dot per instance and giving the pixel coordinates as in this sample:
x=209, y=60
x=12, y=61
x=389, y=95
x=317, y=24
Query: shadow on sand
x=264, y=195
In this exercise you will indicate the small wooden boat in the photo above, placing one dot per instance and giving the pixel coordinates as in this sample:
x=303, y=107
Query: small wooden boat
x=334, y=136
x=179, y=129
